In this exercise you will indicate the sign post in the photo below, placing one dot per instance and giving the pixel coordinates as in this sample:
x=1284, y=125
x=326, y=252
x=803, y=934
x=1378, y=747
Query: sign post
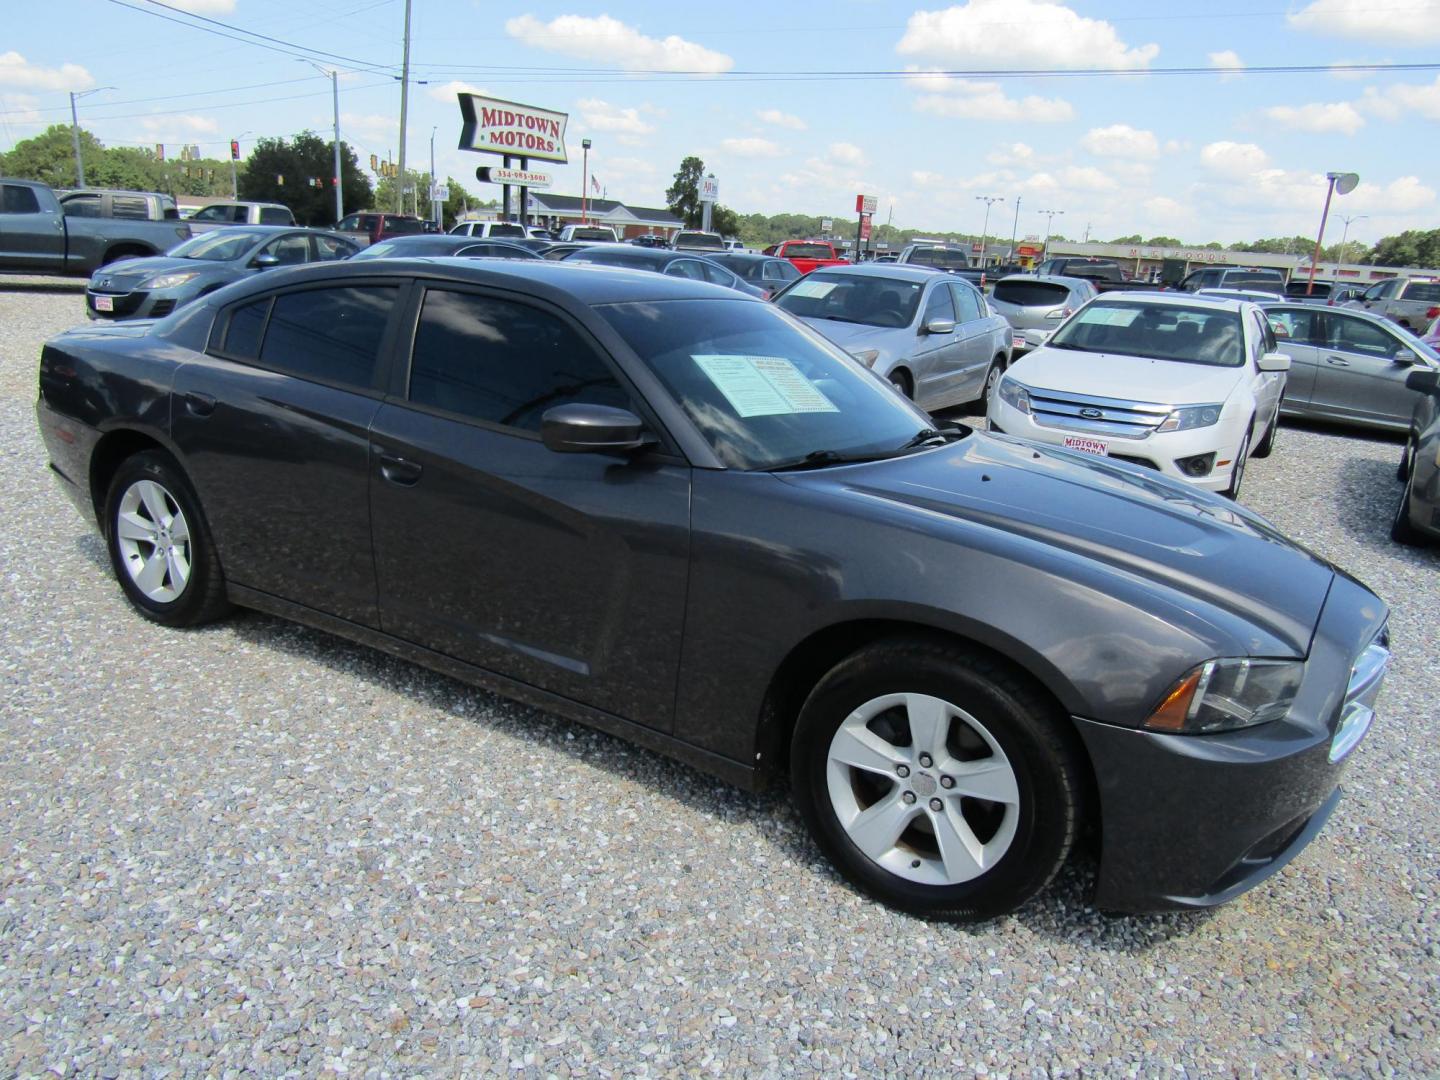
x=510, y=129
x=864, y=207
x=709, y=196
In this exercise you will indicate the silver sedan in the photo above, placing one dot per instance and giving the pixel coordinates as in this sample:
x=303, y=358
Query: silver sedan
x=1038, y=301
x=932, y=335
x=1348, y=366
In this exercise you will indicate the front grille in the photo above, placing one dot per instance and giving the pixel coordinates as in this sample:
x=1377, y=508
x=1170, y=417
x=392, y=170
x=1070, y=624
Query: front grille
x=1358, y=709
x=1135, y=460
x=162, y=308
x=127, y=304
x=1106, y=417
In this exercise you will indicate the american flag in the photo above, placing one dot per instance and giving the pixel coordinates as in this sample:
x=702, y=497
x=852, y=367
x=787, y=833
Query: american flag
x=594, y=184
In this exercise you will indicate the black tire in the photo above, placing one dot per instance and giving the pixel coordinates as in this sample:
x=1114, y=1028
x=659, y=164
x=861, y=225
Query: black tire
x=992, y=377
x=1237, y=474
x=1407, y=459
x=1401, y=531
x=901, y=381
x=1267, y=444
x=1025, y=725
x=200, y=598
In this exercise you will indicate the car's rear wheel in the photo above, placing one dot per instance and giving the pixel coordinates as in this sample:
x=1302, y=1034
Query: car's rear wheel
x=1401, y=531
x=936, y=779
x=160, y=545
x=1237, y=471
x=992, y=379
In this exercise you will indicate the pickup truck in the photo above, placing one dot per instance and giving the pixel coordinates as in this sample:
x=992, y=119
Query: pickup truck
x=108, y=203
x=37, y=237
x=219, y=215
x=1104, y=274
x=1413, y=302
x=806, y=255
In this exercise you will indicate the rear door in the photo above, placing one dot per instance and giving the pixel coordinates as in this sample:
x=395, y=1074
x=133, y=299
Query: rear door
x=1300, y=335
x=563, y=571
x=273, y=426
x=980, y=335
x=1360, y=376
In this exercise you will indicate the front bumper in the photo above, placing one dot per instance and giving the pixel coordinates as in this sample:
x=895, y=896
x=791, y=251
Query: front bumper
x=1190, y=821
x=1159, y=451
x=138, y=304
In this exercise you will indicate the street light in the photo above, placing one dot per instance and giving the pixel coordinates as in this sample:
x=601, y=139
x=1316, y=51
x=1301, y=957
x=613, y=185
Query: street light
x=1344, y=235
x=75, y=130
x=1049, y=216
x=234, y=152
x=1344, y=183
x=434, y=211
x=334, y=75
x=988, y=200
x=585, y=182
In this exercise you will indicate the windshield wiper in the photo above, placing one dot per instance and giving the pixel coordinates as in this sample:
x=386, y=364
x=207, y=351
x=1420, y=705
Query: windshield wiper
x=818, y=459
x=928, y=435
x=1065, y=345
x=839, y=318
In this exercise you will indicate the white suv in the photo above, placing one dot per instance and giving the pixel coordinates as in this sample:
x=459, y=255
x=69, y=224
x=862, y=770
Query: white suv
x=1185, y=385
x=505, y=230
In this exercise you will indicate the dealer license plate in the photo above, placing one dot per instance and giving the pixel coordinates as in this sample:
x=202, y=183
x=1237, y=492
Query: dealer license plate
x=1098, y=447
x=104, y=303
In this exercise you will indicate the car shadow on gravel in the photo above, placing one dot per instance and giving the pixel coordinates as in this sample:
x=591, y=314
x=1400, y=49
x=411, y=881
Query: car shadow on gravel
x=1063, y=911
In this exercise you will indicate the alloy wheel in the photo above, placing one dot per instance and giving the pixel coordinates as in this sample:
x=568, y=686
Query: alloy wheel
x=154, y=541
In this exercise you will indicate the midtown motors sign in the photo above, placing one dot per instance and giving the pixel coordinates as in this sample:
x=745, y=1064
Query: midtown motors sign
x=505, y=127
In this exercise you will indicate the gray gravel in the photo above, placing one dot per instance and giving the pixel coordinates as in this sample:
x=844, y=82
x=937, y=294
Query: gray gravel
x=257, y=848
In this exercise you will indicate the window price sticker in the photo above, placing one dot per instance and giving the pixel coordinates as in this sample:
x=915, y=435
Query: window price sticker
x=763, y=385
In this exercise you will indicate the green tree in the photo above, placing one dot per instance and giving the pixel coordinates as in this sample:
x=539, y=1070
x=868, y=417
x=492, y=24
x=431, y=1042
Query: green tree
x=1133, y=239
x=1164, y=241
x=683, y=196
x=1413, y=247
x=285, y=172
x=724, y=221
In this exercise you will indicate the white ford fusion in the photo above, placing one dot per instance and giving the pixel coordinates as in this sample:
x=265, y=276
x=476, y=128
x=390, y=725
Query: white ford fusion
x=1189, y=386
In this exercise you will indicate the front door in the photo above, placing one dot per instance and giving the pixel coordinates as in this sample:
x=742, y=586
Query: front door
x=1358, y=376
x=273, y=424
x=32, y=238
x=563, y=571
x=938, y=360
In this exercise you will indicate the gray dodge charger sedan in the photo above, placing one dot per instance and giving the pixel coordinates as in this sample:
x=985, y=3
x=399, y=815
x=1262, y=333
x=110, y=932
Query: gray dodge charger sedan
x=676, y=513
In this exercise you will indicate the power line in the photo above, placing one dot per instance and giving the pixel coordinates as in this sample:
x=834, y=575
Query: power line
x=231, y=105
x=188, y=93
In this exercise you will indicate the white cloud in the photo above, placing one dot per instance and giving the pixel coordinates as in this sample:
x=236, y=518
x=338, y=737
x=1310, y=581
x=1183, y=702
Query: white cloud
x=15, y=70
x=1020, y=33
x=1233, y=159
x=751, y=148
x=1400, y=22
x=1086, y=178
x=1338, y=117
x=609, y=40
x=1392, y=102
x=921, y=178
x=844, y=153
x=597, y=115
x=1404, y=195
x=448, y=91
x=20, y=109
x=1226, y=60
x=1121, y=140
x=972, y=100
x=1014, y=154
x=187, y=125
x=781, y=119
x=370, y=129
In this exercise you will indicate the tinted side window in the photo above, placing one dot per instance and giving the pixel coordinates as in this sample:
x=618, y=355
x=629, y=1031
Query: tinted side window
x=686, y=268
x=242, y=336
x=1294, y=325
x=81, y=206
x=330, y=335
x=18, y=200
x=290, y=250
x=212, y=213
x=350, y=224
x=1423, y=291
x=129, y=206
x=938, y=304
x=1358, y=336
x=329, y=248
x=503, y=363
x=275, y=215
x=716, y=276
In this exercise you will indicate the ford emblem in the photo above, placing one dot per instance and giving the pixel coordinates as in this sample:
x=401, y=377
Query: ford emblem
x=1092, y=414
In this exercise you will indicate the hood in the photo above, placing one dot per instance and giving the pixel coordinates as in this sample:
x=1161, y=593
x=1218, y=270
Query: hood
x=127, y=272
x=1128, y=521
x=854, y=336
x=1129, y=378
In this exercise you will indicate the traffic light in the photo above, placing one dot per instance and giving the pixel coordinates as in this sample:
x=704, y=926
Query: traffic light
x=234, y=149
x=374, y=164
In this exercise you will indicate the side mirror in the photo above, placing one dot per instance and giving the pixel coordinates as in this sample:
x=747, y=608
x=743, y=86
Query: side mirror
x=1404, y=357
x=1035, y=338
x=939, y=326
x=264, y=262
x=1426, y=382
x=581, y=428
x=1274, y=361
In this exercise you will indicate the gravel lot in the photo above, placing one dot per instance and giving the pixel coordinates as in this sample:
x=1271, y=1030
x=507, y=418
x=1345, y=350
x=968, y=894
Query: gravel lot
x=257, y=848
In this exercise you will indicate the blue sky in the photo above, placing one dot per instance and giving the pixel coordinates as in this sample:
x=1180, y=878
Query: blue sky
x=1216, y=155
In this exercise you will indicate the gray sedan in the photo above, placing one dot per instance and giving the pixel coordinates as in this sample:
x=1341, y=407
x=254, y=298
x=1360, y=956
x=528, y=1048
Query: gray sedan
x=154, y=286
x=1038, y=301
x=1348, y=366
x=930, y=334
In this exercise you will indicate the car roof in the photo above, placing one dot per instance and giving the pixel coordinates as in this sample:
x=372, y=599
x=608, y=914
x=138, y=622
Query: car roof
x=1058, y=279
x=1176, y=298
x=633, y=253
x=892, y=271
x=557, y=281
x=751, y=257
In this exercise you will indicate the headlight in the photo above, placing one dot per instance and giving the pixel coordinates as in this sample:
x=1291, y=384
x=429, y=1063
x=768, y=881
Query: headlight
x=1192, y=416
x=1222, y=695
x=169, y=281
x=866, y=356
x=1014, y=395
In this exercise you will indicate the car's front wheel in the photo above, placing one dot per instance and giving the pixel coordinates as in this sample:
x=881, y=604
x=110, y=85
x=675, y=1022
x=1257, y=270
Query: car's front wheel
x=160, y=545
x=1401, y=530
x=936, y=779
x=1237, y=470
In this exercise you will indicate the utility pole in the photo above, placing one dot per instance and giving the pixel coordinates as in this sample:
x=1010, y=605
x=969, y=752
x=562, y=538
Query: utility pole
x=1014, y=228
x=585, y=182
x=404, y=106
x=434, y=207
x=1345, y=235
x=75, y=131
x=1049, y=216
x=988, y=200
x=339, y=177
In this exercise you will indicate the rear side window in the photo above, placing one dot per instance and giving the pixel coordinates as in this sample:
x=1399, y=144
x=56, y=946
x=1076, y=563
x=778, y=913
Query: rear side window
x=1032, y=293
x=276, y=215
x=247, y=324
x=503, y=363
x=18, y=200
x=506, y=229
x=781, y=271
x=129, y=206
x=328, y=335
x=329, y=248
x=81, y=206
x=1425, y=292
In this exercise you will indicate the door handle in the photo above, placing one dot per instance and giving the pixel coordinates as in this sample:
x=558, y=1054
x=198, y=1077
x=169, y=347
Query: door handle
x=197, y=404
x=1337, y=361
x=399, y=471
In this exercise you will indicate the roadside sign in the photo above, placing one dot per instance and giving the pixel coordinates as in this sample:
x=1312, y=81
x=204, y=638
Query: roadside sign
x=866, y=204
x=709, y=189
x=826, y=224
x=865, y=227
x=521, y=177
x=507, y=127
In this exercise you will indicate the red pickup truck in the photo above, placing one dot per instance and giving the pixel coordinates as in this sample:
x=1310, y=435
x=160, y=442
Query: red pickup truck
x=806, y=255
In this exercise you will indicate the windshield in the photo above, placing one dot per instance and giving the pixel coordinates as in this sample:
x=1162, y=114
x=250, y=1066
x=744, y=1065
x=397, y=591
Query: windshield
x=949, y=258
x=763, y=391
x=592, y=234
x=699, y=241
x=809, y=251
x=855, y=298
x=219, y=246
x=1161, y=331
x=1256, y=282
